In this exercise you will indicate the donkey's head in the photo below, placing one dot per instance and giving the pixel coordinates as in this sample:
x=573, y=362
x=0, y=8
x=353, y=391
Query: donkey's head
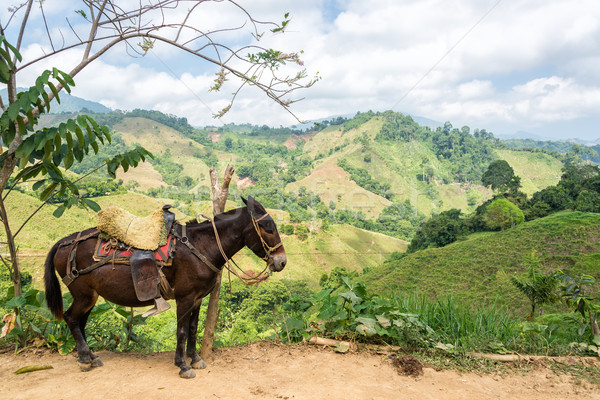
x=262, y=237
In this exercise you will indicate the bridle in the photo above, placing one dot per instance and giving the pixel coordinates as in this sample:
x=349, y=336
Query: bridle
x=268, y=249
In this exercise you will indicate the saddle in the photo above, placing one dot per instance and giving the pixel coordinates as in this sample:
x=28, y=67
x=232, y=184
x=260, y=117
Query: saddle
x=140, y=242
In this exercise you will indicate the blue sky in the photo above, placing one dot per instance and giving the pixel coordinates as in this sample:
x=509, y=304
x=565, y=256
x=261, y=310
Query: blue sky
x=506, y=66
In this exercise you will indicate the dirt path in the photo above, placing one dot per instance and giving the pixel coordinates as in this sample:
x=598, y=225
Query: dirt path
x=269, y=371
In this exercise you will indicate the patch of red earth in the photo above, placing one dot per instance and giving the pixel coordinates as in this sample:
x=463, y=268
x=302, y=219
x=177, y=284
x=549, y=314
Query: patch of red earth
x=214, y=136
x=244, y=182
x=291, y=143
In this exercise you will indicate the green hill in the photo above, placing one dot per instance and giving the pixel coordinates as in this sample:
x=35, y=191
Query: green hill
x=478, y=269
x=434, y=171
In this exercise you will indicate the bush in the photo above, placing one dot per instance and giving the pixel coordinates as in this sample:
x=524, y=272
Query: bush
x=501, y=213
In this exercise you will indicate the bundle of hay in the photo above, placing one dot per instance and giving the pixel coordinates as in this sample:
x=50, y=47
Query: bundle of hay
x=139, y=232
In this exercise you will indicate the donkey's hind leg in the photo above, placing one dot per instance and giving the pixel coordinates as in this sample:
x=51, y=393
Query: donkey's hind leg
x=76, y=318
x=96, y=361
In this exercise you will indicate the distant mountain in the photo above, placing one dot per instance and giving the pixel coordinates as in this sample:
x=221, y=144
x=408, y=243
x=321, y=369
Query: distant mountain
x=68, y=103
x=521, y=135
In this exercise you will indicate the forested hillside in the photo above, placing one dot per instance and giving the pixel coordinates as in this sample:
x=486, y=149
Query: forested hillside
x=377, y=171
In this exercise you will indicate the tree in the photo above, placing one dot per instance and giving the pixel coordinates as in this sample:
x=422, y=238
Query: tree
x=501, y=213
x=500, y=176
x=439, y=231
x=540, y=289
x=100, y=26
x=46, y=152
x=588, y=201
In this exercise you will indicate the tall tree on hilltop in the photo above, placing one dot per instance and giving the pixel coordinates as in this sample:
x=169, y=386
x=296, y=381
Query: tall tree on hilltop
x=500, y=176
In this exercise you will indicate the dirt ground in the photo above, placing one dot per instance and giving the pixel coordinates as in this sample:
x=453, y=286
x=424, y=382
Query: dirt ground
x=269, y=371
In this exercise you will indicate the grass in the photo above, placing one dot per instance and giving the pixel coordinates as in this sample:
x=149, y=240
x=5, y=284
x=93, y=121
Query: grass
x=341, y=245
x=478, y=269
x=536, y=170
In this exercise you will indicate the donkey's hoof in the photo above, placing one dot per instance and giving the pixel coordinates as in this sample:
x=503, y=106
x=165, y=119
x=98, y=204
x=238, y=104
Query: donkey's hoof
x=187, y=374
x=199, y=364
x=85, y=367
x=96, y=362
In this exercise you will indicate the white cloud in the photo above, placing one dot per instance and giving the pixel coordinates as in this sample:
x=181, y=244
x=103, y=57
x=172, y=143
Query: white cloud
x=480, y=63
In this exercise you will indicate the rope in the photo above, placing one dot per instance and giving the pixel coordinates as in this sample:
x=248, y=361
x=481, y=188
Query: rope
x=228, y=261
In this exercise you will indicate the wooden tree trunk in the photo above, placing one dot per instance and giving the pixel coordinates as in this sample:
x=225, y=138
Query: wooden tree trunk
x=219, y=196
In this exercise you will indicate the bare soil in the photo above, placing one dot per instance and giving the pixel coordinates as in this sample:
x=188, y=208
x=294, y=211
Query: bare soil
x=269, y=371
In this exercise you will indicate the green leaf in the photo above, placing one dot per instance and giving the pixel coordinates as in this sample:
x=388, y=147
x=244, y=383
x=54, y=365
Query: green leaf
x=13, y=110
x=4, y=72
x=47, y=151
x=341, y=347
x=328, y=312
x=16, y=302
x=13, y=49
x=32, y=368
x=79, y=134
x=69, y=137
x=46, y=100
x=57, y=141
x=31, y=119
x=38, y=184
x=59, y=211
x=22, y=127
x=26, y=148
x=366, y=330
x=91, y=204
x=48, y=191
x=383, y=321
x=54, y=91
x=350, y=296
x=293, y=324
x=78, y=153
x=68, y=160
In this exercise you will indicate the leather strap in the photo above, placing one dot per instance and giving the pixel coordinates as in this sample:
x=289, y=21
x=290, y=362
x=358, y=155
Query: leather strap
x=184, y=239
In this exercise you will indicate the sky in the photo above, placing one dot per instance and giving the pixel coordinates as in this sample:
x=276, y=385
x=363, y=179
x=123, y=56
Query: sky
x=502, y=65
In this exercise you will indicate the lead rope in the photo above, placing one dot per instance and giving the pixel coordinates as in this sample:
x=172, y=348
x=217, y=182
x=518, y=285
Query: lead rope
x=228, y=266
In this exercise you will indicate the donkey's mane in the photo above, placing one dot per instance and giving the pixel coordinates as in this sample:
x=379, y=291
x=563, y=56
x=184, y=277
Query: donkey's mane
x=206, y=223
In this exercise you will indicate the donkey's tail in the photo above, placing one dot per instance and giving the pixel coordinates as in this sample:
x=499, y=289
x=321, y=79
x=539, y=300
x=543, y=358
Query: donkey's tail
x=53, y=292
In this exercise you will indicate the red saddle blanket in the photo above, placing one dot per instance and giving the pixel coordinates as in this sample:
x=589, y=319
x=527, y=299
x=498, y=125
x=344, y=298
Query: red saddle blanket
x=122, y=252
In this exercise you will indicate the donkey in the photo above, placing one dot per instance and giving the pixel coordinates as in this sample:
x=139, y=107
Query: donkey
x=199, y=255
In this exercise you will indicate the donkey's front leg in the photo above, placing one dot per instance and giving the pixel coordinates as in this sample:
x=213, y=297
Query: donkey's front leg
x=184, y=307
x=196, y=361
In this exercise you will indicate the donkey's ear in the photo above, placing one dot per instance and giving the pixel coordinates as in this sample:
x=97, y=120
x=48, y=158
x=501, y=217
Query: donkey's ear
x=250, y=203
x=244, y=200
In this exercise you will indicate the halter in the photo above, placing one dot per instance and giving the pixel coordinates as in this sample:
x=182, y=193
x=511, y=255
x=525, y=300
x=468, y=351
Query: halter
x=268, y=249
